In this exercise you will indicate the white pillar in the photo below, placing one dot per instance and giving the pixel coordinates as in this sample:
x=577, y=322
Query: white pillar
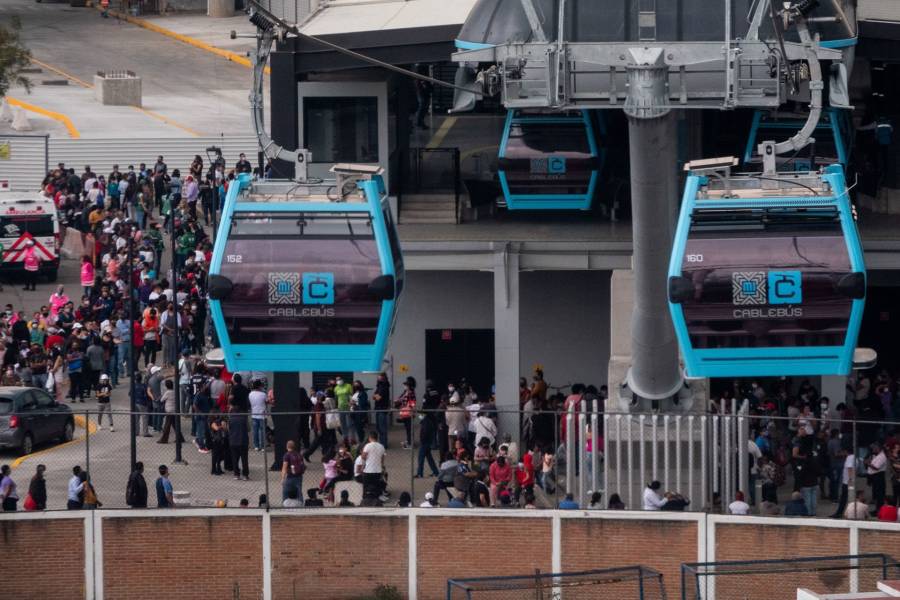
x=506, y=336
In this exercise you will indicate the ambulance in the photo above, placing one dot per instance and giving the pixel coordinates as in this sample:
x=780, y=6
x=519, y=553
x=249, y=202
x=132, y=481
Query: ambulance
x=27, y=216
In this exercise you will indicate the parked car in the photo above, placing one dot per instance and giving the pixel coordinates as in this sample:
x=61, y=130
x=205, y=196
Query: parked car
x=30, y=416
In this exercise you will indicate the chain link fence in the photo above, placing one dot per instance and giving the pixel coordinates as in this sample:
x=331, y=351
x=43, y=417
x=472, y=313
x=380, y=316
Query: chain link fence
x=601, y=460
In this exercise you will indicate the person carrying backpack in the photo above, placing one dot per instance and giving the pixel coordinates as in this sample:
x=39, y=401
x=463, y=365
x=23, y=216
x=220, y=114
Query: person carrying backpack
x=136, y=490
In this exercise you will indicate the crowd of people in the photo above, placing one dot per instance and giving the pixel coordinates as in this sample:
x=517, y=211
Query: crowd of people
x=80, y=346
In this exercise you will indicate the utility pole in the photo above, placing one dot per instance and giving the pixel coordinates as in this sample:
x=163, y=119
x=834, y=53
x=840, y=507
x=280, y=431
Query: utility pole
x=131, y=362
x=177, y=377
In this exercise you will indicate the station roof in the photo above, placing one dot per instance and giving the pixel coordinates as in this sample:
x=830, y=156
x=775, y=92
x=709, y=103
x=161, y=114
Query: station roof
x=395, y=31
x=348, y=16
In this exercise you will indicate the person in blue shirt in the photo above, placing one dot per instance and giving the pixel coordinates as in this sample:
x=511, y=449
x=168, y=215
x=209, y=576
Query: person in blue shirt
x=568, y=503
x=164, y=489
x=796, y=507
x=457, y=502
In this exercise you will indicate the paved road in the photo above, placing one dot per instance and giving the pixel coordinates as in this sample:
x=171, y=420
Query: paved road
x=188, y=85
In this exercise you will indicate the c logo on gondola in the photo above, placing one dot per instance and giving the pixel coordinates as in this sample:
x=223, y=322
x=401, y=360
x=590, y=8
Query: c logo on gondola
x=297, y=288
x=772, y=287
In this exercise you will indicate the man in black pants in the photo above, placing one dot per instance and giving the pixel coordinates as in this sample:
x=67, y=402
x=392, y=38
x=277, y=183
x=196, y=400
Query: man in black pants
x=239, y=441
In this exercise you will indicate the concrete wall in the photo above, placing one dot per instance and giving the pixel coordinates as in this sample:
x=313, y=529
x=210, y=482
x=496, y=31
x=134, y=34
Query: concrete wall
x=345, y=553
x=438, y=300
x=564, y=319
x=564, y=325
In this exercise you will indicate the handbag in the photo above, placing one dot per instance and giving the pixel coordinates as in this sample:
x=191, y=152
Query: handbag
x=406, y=411
x=332, y=419
x=51, y=382
x=29, y=503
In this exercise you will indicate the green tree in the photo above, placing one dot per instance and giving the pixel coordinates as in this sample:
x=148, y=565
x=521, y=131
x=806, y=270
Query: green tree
x=14, y=57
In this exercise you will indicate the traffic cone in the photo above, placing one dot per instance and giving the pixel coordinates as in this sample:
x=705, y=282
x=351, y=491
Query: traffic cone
x=20, y=121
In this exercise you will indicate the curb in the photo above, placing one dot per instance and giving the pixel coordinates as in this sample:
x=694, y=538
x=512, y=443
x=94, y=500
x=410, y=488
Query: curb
x=73, y=132
x=226, y=54
x=80, y=421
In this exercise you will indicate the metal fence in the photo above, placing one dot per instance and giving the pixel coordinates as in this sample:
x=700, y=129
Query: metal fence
x=781, y=578
x=25, y=159
x=700, y=460
x=620, y=583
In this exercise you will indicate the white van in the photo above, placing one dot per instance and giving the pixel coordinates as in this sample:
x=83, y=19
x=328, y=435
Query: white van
x=26, y=217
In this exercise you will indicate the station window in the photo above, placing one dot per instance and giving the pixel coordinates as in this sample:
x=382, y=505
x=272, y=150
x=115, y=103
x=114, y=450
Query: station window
x=341, y=129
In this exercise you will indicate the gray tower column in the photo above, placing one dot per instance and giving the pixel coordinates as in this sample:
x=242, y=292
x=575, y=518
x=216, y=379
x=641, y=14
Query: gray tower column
x=506, y=336
x=654, y=372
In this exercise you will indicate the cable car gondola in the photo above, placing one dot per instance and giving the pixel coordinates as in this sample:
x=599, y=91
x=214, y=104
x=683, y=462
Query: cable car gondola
x=306, y=276
x=832, y=140
x=549, y=161
x=766, y=275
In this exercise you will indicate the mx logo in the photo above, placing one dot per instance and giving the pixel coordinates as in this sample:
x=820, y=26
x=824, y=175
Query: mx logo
x=318, y=288
x=748, y=287
x=785, y=287
x=284, y=288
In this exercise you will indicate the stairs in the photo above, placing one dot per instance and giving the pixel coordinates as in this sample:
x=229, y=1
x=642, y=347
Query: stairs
x=433, y=208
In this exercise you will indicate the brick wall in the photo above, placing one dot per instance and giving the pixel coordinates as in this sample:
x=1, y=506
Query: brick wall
x=182, y=557
x=601, y=543
x=337, y=557
x=878, y=542
x=42, y=559
x=470, y=546
x=758, y=542
x=340, y=556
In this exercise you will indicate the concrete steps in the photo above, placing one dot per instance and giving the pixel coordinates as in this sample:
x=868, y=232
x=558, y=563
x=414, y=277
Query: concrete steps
x=428, y=208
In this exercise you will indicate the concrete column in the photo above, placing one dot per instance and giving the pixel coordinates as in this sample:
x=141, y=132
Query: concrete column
x=285, y=106
x=285, y=386
x=834, y=387
x=506, y=335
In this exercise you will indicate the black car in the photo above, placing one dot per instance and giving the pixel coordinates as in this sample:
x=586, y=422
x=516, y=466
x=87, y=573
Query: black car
x=30, y=416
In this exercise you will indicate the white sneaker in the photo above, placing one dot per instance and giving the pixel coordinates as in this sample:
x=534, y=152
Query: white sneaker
x=111, y=429
x=99, y=427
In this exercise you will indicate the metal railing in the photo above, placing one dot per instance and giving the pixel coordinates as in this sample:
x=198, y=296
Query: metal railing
x=702, y=460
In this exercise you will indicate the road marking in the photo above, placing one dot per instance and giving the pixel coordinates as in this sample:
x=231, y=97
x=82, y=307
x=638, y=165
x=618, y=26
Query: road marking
x=90, y=86
x=166, y=120
x=68, y=76
x=438, y=138
x=226, y=54
x=80, y=421
x=73, y=132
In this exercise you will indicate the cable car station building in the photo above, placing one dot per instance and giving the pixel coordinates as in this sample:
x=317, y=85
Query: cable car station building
x=514, y=259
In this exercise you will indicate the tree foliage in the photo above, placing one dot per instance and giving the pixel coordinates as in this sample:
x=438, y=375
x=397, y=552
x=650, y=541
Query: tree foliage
x=14, y=57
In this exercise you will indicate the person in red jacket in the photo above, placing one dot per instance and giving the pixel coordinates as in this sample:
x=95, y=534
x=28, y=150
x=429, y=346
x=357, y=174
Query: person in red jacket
x=888, y=511
x=524, y=475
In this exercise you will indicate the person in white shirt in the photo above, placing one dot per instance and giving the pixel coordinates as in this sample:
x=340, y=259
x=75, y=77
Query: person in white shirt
x=876, y=466
x=429, y=502
x=293, y=499
x=76, y=486
x=739, y=507
x=858, y=510
x=373, y=454
x=258, y=413
x=485, y=428
x=652, y=499
x=848, y=476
